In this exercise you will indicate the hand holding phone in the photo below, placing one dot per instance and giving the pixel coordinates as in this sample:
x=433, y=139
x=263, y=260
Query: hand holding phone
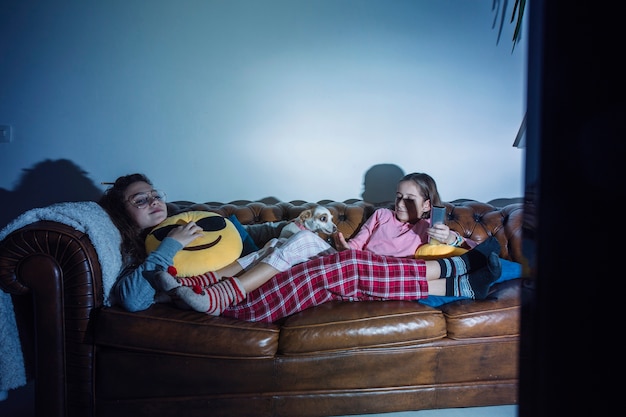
x=437, y=216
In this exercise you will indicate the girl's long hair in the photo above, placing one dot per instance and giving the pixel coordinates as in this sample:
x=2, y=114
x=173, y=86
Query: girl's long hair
x=113, y=202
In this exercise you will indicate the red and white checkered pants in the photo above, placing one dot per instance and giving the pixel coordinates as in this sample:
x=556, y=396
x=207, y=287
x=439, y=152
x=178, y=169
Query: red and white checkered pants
x=349, y=275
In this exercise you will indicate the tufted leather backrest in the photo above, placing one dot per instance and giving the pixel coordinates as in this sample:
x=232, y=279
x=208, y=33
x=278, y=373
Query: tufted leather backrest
x=478, y=221
x=472, y=219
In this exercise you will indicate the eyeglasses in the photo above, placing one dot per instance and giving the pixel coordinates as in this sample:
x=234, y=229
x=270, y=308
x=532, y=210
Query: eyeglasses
x=143, y=200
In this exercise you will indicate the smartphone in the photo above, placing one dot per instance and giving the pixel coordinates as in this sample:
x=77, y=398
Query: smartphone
x=437, y=216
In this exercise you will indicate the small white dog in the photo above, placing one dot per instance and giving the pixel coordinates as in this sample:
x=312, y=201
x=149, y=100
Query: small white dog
x=317, y=219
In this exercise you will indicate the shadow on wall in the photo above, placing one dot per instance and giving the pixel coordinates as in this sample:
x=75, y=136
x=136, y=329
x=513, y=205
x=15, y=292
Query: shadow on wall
x=46, y=183
x=379, y=184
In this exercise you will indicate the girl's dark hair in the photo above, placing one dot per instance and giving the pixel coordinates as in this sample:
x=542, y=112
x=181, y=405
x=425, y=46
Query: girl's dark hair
x=427, y=187
x=113, y=202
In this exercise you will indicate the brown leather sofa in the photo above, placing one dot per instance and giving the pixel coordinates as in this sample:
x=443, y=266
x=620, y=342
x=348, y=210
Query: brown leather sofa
x=339, y=358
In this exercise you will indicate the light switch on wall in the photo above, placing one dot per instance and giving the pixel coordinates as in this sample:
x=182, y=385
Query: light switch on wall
x=5, y=133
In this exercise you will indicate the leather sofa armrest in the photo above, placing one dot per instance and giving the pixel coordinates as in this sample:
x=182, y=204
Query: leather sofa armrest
x=55, y=278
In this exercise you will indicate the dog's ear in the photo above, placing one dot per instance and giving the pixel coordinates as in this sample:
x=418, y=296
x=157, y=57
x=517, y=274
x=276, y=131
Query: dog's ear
x=306, y=214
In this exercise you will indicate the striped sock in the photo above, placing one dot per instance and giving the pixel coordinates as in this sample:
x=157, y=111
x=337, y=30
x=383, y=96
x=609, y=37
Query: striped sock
x=212, y=300
x=475, y=284
x=224, y=295
x=202, y=280
x=161, y=280
x=470, y=261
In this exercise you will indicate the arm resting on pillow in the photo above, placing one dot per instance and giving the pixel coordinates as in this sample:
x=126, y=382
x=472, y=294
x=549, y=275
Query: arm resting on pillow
x=132, y=290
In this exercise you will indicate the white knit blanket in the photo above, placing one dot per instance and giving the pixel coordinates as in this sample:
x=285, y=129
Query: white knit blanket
x=85, y=216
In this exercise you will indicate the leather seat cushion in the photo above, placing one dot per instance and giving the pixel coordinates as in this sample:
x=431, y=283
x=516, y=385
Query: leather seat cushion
x=337, y=326
x=164, y=328
x=497, y=316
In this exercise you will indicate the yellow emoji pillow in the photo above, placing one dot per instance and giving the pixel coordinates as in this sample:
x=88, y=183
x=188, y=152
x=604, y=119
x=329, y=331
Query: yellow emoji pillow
x=428, y=251
x=219, y=245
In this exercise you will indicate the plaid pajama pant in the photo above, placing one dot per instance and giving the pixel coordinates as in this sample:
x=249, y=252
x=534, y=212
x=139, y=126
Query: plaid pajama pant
x=349, y=275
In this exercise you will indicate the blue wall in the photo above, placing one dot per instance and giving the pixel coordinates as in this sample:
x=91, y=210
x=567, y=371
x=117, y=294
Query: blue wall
x=244, y=99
